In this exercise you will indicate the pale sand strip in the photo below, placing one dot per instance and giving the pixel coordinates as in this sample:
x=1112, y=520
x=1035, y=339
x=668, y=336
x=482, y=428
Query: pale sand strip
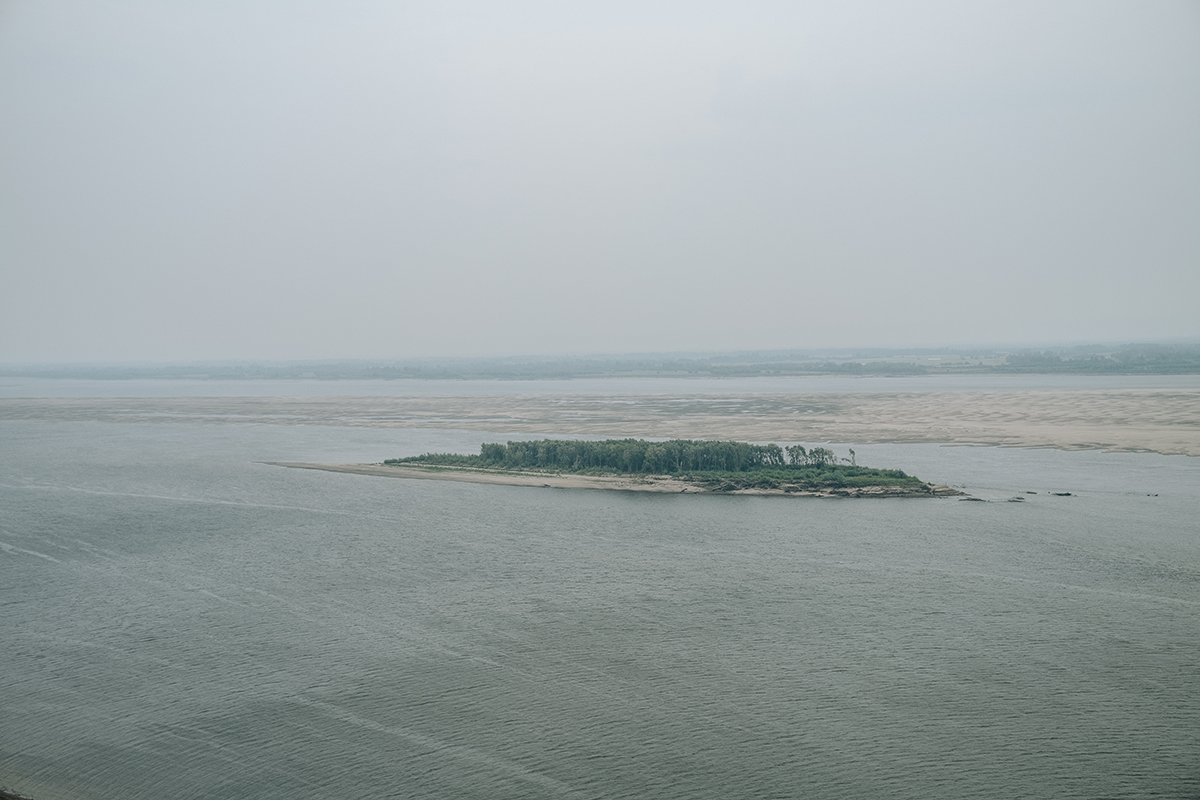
x=650, y=483
x=1163, y=421
x=666, y=485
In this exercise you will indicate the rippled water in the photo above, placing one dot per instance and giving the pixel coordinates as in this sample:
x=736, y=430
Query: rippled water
x=180, y=621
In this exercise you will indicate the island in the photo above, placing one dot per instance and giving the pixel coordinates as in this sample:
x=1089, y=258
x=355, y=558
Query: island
x=676, y=466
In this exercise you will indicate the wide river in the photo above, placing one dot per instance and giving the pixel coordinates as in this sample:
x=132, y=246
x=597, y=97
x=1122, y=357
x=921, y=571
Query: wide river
x=180, y=620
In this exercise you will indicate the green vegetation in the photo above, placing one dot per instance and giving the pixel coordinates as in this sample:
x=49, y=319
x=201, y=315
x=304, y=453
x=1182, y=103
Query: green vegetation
x=714, y=464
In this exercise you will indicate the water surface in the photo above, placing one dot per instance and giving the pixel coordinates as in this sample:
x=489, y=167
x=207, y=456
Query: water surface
x=182, y=621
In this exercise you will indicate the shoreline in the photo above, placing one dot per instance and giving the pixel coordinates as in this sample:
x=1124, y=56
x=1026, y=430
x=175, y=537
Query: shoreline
x=662, y=484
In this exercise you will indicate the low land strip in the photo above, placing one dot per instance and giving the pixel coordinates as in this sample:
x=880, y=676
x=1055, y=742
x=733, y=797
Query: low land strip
x=1162, y=421
x=630, y=483
x=711, y=465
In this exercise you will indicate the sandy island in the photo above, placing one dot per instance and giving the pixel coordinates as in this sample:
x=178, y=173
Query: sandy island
x=650, y=483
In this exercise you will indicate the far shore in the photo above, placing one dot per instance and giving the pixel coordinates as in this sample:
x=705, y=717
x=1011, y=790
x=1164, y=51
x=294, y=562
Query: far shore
x=664, y=484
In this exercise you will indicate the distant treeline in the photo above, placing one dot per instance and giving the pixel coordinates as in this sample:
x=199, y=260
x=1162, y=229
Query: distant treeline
x=468, y=369
x=696, y=458
x=1129, y=360
x=1088, y=360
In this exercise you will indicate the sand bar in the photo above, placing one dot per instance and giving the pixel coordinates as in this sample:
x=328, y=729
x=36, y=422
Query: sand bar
x=1162, y=421
x=650, y=483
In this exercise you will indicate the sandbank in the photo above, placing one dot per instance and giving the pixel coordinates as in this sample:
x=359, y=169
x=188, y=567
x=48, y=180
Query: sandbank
x=664, y=484
x=1122, y=420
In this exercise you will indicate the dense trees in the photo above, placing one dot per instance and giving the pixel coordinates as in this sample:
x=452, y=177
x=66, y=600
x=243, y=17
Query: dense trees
x=675, y=457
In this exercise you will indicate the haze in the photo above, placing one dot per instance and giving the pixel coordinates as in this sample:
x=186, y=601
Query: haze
x=333, y=180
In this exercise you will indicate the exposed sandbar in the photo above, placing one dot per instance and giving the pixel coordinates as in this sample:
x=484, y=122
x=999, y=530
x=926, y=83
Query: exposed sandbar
x=1163, y=421
x=650, y=483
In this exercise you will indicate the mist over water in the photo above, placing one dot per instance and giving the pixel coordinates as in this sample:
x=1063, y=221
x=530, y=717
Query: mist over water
x=183, y=621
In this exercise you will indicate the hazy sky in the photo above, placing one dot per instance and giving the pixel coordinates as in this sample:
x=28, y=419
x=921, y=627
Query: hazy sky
x=233, y=179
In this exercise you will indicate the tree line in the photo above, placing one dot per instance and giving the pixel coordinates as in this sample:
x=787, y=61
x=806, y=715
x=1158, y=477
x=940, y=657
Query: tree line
x=677, y=456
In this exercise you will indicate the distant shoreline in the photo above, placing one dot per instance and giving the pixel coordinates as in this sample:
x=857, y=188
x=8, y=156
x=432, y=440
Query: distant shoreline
x=661, y=484
x=1146, y=358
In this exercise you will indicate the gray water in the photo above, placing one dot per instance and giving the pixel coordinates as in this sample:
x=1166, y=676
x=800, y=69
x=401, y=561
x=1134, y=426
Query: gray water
x=181, y=621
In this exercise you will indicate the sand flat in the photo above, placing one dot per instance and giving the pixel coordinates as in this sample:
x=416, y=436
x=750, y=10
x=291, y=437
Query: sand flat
x=1162, y=421
x=649, y=483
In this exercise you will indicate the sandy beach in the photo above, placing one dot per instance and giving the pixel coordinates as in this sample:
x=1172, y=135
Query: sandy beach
x=1161, y=421
x=650, y=483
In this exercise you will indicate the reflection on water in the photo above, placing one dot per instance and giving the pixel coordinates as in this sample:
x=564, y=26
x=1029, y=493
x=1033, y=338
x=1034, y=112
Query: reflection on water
x=182, y=621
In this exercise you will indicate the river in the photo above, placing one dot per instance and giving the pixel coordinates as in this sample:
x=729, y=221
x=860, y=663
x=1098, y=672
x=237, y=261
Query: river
x=181, y=620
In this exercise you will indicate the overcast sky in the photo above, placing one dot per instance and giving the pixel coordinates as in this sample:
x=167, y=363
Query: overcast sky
x=285, y=180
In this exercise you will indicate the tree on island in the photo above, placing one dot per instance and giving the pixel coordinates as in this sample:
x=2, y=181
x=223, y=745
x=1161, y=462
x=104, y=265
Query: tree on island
x=705, y=460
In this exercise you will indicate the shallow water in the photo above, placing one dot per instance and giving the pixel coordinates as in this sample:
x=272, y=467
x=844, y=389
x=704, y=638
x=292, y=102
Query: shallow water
x=182, y=621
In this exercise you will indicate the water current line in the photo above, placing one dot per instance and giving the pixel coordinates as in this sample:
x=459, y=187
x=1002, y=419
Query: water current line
x=434, y=744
